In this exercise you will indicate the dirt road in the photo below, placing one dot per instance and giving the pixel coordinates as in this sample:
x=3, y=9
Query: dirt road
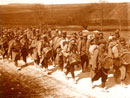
x=32, y=83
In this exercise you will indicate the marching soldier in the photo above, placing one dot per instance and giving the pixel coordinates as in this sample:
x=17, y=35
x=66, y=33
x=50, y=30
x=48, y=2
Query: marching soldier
x=55, y=45
x=43, y=45
x=4, y=46
x=93, y=50
x=24, y=48
x=72, y=59
x=16, y=49
x=123, y=48
x=61, y=50
x=102, y=72
x=35, y=50
x=82, y=50
x=9, y=48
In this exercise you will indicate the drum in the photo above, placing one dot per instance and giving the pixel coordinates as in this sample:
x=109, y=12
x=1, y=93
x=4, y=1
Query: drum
x=108, y=63
x=125, y=58
x=48, y=52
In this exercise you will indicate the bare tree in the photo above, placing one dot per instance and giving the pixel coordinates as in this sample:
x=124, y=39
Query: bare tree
x=101, y=12
x=121, y=14
x=39, y=13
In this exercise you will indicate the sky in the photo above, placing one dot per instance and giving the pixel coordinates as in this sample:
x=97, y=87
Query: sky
x=58, y=1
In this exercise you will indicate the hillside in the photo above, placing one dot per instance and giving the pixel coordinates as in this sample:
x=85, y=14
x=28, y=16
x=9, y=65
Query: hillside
x=73, y=14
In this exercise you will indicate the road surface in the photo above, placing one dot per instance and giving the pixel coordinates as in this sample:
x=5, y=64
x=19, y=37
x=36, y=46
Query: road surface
x=30, y=82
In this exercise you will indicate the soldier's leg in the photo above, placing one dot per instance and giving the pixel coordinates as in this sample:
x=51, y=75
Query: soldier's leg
x=61, y=63
x=87, y=67
x=67, y=70
x=46, y=63
x=72, y=71
x=123, y=75
x=25, y=59
x=82, y=62
x=104, y=77
x=127, y=79
x=54, y=55
x=97, y=76
x=16, y=63
x=123, y=72
x=117, y=74
x=37, y=61
x=4, y=53
x=11, y=56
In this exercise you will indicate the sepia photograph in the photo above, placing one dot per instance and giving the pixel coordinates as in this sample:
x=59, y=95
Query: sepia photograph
x=64, y=48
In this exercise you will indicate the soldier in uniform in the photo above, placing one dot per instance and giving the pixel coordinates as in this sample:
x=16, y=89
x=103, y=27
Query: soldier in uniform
x=55, y=45
x=43, y=46
x=4, y=46
x=9, y=48
x=102, y=72
x=35, y=50
x=82, y=50
x=24, y=48
x=72, y=59
x=16, y=49
x=113, y=52
x=123, y=48
x=93, y=52
x=62, y=49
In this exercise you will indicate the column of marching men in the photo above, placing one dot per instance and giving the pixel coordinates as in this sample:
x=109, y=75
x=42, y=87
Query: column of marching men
x=90, y=51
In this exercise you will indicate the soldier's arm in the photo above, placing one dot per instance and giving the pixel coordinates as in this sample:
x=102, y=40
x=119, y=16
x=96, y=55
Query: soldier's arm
x=39, y=48
x=79, y=47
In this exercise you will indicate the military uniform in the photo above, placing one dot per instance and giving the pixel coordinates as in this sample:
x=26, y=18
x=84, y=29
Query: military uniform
x=24, y=48
x=35, y=52
x=9, y=48
x=73, y=58
x=56, y=44
x=61, y=51
x=15, y=47
x=101, y=71
x=82, y=49
x=4, y=46
x=42, y=51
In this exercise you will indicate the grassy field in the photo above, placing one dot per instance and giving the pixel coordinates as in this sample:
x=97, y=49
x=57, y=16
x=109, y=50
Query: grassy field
x=74, y=14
